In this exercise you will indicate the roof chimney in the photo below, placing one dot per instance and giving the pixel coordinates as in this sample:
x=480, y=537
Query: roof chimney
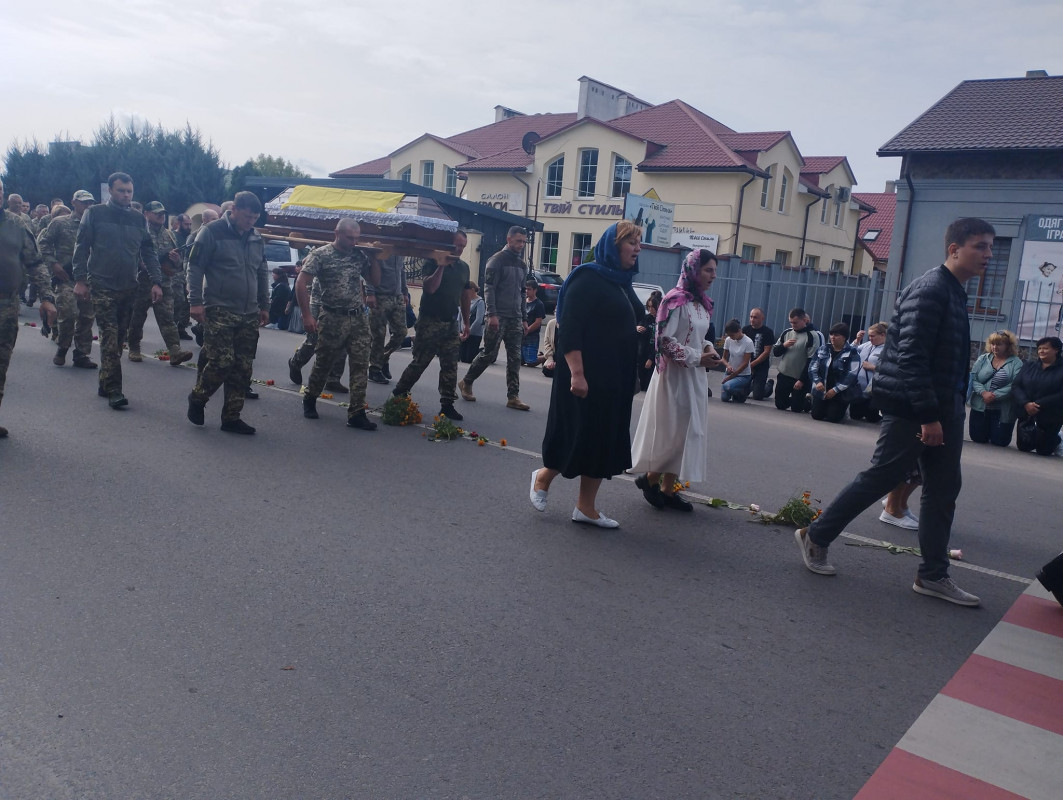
x=1036, y=73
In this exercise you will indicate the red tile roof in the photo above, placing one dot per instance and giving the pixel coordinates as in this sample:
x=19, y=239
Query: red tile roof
x=817, y=165
x=998, y=114
x=515, y=158
x=376, y=168
x=885, y=205
x=507, y=134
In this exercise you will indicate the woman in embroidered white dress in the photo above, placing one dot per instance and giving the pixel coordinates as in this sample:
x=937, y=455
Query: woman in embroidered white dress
x=671, y=440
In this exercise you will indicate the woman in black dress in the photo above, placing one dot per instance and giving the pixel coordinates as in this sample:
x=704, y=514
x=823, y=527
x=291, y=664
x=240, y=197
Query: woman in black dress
x=647, y=331
x=1038, y=393
x=588, y=427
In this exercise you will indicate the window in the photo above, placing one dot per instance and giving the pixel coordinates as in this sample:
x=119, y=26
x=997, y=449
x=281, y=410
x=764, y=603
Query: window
x=749, y=252
x=548, y=252
x=985, y=292
x=871, y=235
x=782, y=257
x=405, y=175
x=837, y=265
x=765, y=191
x=581, y=247
x=555, y=176
x=621, y=176
x=812, y=262
x=824, y=212
x=784, y=184
x=837, y=213
x=588, y=172
x=428, y=173
x=452, y=181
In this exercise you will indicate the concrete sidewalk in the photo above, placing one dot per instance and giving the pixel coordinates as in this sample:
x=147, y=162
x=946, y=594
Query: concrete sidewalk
x=995, y=731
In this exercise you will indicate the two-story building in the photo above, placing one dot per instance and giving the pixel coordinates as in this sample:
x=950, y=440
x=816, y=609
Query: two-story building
x=751, y=194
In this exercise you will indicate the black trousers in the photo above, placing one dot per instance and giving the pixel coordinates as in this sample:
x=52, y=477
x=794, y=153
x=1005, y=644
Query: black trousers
x=897, y=451
x=787, y=397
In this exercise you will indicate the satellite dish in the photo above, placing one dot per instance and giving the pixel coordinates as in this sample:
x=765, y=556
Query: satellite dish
x=531, y=138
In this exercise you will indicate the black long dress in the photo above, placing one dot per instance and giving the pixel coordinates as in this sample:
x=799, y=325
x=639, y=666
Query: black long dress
x=592, y=436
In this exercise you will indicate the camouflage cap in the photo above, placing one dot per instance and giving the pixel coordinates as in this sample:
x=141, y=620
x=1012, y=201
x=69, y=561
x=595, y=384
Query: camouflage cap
x=155, y=207
x=84, y=196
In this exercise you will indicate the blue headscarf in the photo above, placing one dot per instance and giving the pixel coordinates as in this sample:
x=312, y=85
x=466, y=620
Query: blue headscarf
x=607, y=264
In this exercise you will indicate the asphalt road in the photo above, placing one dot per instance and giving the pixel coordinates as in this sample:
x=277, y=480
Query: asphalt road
x=317, y=612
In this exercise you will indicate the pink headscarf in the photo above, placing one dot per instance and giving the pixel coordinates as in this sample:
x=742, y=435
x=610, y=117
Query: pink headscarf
x=685, y=291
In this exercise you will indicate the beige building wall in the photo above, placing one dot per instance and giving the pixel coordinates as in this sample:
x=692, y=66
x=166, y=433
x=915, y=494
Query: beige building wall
x=423, y=151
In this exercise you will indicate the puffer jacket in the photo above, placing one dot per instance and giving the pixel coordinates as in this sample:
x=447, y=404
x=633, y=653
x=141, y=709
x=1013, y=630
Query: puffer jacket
x=111, y=244
x=234, y=265
x=504, y=278
x=925, y=362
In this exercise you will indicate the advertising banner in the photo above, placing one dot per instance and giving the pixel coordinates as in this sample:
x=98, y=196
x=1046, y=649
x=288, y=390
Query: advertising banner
x=1041, y=272
x=654, y=216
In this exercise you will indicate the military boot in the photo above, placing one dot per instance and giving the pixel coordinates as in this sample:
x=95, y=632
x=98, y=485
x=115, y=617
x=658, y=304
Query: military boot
x=310, y=407
x=60, y=356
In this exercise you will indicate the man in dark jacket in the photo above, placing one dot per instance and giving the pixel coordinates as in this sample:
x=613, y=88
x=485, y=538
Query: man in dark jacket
x=231, y=305
x=919, y=386
x=111, y=243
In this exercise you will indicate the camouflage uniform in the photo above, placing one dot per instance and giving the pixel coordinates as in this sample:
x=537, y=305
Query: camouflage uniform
x=343, y=326
x=113, y=309
x=231, y=340
x=437, y=332
x=18, y=256
x=164, y=241
x=227, y=273
x=56, y=244
x=390, y=311
x=179, y=285
x=510, y=331
x=305, y=351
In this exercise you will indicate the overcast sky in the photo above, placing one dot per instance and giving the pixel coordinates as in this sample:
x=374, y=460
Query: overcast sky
x=328, y=84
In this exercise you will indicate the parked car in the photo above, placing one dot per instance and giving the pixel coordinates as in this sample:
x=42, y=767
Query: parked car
x=549, y=285
x=281, y=254
x=644, y=290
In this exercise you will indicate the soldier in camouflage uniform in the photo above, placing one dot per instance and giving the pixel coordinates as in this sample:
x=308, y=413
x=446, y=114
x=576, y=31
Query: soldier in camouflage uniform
x=504, y=278
x=305, y=351
x=232, y=304
x=387, y=309
x=112, y=242
x=170, y=262
x=179, y=284
x=18, y=256
x=443, y=294
x=343, y=326
x=56, y=243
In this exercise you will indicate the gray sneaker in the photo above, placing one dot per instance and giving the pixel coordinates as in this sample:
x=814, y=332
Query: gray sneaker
x=946, y=590
x=815, y=557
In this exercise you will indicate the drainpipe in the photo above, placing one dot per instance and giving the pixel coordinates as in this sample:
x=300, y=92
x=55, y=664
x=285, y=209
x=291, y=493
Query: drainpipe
x=527, y=202
x=907, y=219
x=804, y=234
x=738, y=222
x=856, y=240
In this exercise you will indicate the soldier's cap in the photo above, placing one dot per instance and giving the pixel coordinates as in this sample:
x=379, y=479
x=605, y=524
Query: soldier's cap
x=84, y=196
x=155, y=207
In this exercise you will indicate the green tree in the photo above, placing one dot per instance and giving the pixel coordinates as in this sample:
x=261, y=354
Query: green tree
x=263, y=165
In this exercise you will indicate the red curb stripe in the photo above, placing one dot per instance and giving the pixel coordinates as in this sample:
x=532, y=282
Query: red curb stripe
x=1036, y=614
x=903, y=775
x=1013, y=692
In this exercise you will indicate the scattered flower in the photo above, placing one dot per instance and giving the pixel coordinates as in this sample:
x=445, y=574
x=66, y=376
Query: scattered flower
x=956, y=555
x=269, y=382
x=401, y=411
x=502, y=442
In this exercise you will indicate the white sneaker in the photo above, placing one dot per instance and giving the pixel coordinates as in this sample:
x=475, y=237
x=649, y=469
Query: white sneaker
x=602, y=521
x=537, y=497
x=909, y=523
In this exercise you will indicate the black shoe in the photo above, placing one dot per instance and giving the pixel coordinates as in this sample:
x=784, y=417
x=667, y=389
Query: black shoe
x=310, y=407
x=295, y=374
x=250, y=394
x=46, y=329
x=386, y=369
x=710, y=391
x=653, y=494
x=100, y=392
x=360, y=420
x=377, y=376
x=674, y=501
x=60, y=356
x=84, y=362
x=447, y=410
x=195, y=411
x=237, y=426
x=184, y=335
x=117, y=401
x=336, y=386
x=396, y=392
